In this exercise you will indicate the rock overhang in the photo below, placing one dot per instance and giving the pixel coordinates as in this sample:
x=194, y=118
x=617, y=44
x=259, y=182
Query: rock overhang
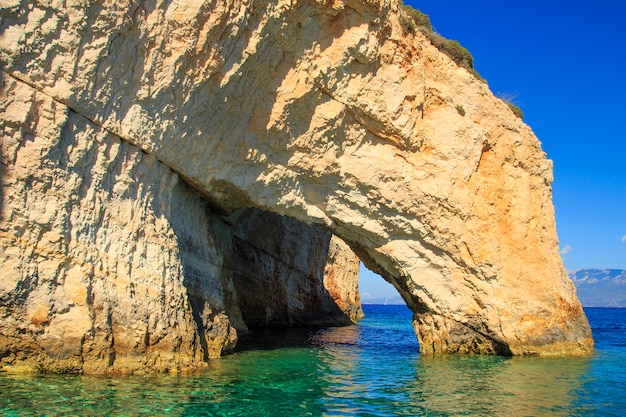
x=330, y=115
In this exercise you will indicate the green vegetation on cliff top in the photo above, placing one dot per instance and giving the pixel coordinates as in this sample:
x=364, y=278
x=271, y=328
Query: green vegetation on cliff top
x=414, y=20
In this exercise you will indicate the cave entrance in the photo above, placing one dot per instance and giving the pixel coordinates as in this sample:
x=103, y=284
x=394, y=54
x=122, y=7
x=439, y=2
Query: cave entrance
x=285, y=274
x=288, y=277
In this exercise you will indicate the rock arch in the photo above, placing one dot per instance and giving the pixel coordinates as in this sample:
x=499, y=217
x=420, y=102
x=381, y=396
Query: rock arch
x=324, y=112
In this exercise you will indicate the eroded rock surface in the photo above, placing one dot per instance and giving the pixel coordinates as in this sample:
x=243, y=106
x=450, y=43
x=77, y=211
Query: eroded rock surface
x=111, y=263
x=284, y=273
x=323, y=112
x=341, y=266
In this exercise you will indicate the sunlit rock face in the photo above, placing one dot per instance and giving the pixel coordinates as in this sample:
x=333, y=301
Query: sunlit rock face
x=156, y=113
x=342, y=265
x=111, y=263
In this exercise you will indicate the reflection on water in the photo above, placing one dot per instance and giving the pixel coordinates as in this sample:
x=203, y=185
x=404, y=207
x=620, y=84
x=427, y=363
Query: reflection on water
x=500, y=386
x=370, y=369
x=359, y=378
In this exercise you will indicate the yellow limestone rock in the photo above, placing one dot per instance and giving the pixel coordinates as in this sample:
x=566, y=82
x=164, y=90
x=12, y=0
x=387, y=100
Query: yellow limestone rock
x=322, y=112
x=111, y=264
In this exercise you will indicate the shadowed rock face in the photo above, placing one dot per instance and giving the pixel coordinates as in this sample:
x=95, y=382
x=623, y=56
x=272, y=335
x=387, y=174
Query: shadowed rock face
x=321, y=112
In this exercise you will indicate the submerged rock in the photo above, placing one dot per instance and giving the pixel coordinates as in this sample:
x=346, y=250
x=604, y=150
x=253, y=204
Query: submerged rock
x=161, y=162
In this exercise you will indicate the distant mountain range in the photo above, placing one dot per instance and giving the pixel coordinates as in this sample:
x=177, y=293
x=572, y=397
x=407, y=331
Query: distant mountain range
x=600, y=287
x=595, y=287
x=394, y=300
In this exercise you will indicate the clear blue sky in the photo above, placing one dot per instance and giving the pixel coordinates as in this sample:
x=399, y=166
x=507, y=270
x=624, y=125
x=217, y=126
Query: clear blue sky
x=566, y=63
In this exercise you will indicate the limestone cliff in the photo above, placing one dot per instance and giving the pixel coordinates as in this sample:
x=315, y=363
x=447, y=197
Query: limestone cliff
x=323, y=112
x=110, y=263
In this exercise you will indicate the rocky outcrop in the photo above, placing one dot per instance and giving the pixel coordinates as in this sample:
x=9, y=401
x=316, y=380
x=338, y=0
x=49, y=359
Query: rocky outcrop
x=102, y=250
x=321, y=112
x=341, y=266
x=111, y=263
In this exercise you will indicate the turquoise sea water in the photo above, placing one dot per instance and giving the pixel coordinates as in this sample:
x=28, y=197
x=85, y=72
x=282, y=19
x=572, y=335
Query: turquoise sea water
x=373, y=369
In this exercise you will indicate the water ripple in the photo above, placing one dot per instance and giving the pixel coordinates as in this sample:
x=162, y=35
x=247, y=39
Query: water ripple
x=373, y=369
